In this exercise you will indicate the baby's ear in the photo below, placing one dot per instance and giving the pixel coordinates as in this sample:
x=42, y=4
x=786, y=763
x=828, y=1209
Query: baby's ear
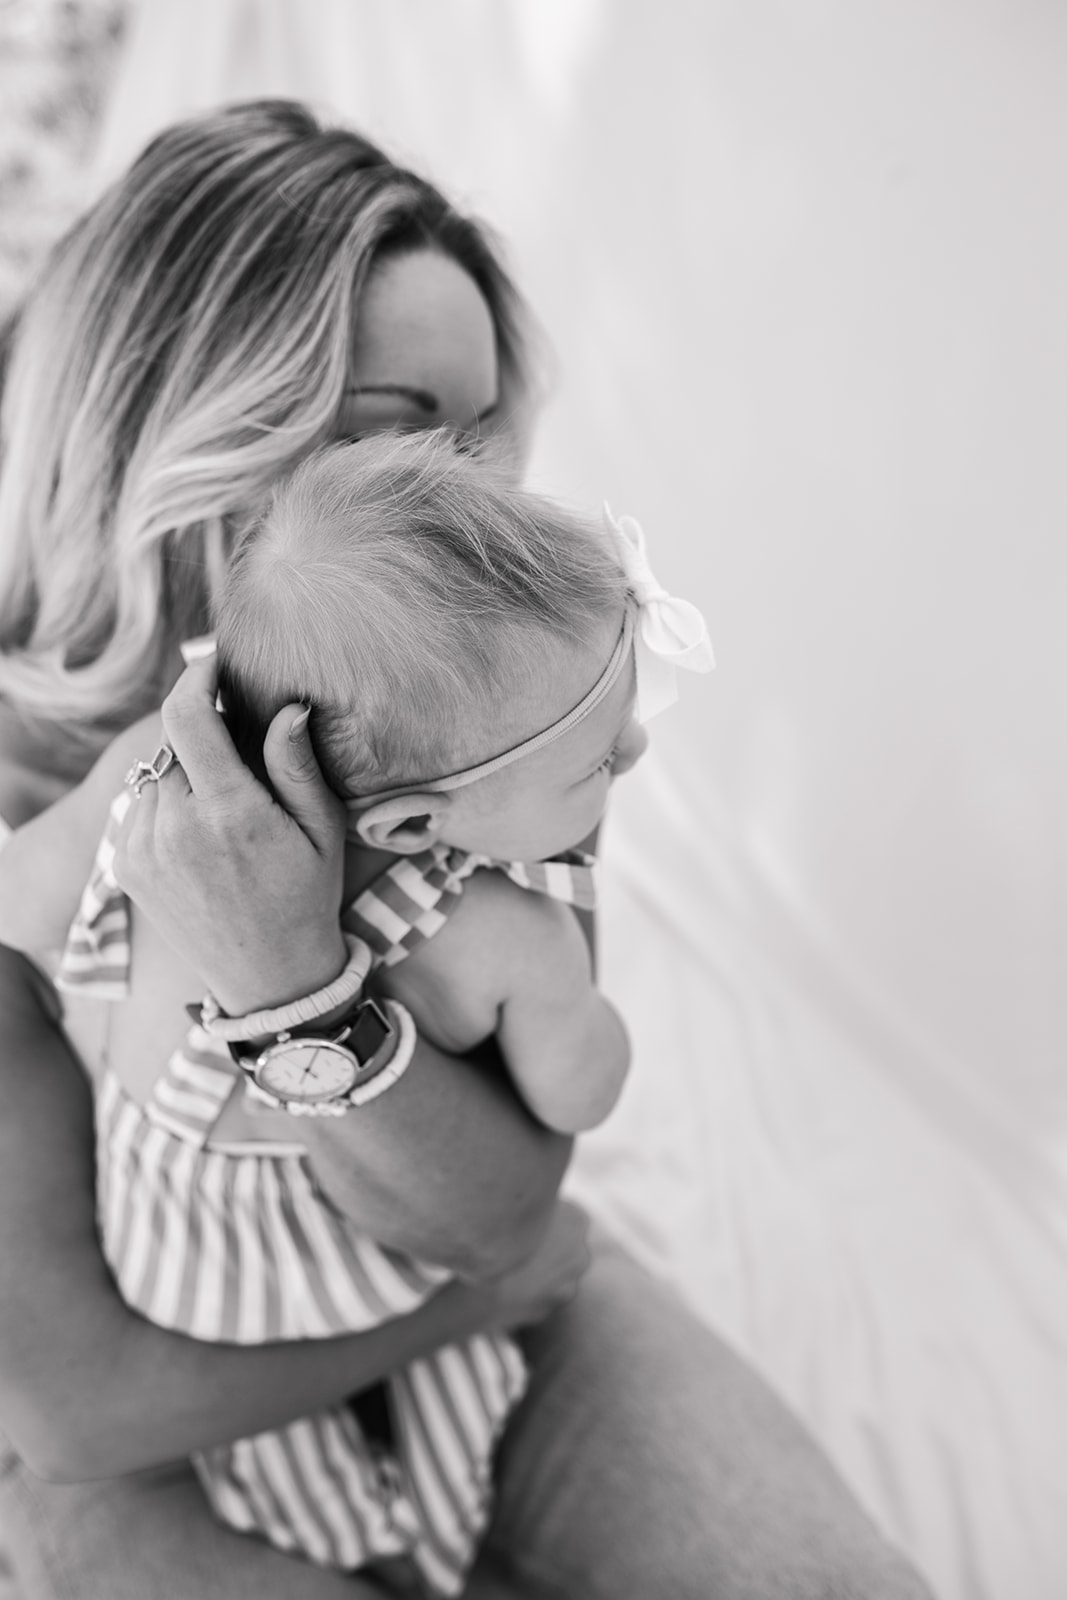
x=405, y=825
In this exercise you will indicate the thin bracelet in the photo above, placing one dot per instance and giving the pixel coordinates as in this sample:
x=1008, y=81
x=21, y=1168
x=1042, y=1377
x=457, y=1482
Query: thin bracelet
x=283, y=1019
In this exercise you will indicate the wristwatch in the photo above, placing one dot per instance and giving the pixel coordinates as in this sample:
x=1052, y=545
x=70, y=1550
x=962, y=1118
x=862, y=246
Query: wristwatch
x=325, y=1075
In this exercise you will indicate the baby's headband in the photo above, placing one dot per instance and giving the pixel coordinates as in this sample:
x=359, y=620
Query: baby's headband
x=666, y=633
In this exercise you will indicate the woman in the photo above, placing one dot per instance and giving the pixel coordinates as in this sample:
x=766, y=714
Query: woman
x=254, y=287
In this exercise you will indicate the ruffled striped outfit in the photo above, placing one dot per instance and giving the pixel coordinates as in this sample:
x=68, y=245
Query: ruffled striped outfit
x=240, y=1245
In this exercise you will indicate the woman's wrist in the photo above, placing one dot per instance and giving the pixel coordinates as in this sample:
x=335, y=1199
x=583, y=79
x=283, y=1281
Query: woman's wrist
x=262, y=976
x=317, y=1006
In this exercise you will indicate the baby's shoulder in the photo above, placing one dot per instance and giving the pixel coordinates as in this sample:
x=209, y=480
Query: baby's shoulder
x=497, y=924
x=497, y=940
x=491, y=895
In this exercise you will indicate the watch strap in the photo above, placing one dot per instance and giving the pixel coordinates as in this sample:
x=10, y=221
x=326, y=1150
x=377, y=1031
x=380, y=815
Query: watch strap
x=384, y=1075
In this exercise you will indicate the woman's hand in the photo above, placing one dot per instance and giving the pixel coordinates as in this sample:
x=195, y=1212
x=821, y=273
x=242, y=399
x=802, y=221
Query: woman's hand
x=246, y=889
x=547, y=1278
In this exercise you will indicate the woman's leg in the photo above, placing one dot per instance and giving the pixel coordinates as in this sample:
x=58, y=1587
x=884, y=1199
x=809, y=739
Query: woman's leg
x=648, y=1460
x=147, y=1537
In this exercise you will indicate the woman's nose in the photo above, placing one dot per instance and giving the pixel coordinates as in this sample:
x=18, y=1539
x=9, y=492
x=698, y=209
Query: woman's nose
x=630, y=749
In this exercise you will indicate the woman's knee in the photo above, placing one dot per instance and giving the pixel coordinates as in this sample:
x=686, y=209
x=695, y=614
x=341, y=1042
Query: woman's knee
x=650, y=1458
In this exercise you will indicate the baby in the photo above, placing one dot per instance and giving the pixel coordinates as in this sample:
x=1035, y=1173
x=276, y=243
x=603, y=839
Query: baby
x=473, y=657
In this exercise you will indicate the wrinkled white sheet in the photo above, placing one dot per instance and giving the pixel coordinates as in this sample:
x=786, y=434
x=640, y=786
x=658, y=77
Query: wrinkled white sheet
x=860, y=1226
x=803, y=270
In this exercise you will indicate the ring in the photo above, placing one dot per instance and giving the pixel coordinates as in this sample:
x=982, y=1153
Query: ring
x=143, y=772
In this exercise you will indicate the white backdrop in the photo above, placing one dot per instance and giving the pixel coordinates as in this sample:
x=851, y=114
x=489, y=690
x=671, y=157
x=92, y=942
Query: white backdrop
x=803, y=268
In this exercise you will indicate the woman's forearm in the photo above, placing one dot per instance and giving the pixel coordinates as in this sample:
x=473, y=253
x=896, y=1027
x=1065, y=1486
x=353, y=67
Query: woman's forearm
x=448, y=1165
x=87, y=1388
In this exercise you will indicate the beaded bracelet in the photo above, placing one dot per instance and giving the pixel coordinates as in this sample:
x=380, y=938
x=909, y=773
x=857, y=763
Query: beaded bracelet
x=283, y=1019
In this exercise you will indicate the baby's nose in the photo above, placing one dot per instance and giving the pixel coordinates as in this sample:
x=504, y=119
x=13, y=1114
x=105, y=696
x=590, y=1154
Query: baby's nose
x=631, y=747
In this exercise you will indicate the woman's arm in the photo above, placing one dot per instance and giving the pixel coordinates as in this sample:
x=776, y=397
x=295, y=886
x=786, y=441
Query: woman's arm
x=449, y=1164
x=45, y=863
x=87, y=1388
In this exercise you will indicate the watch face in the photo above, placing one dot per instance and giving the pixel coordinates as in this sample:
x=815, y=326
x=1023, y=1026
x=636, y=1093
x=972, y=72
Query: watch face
x=307, y=1070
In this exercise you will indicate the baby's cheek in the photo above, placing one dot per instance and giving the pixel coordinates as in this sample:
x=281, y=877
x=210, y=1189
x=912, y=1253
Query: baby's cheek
x=632, y=747
x=598, y=804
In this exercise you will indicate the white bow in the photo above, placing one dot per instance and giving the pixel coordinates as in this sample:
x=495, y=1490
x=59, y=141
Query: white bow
x=668, y=633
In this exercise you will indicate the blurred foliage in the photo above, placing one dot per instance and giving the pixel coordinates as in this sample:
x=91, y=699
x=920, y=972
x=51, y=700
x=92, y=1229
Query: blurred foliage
x=56, y=62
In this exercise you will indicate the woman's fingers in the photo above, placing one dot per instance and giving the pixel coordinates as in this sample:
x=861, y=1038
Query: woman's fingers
x=551, y=1275
x=198, y=736
x=298, y=782
x=135, y=832
x=236, y=889
x=215, y=772
x=567, y=1240
x=143, y=855
x=244, y=884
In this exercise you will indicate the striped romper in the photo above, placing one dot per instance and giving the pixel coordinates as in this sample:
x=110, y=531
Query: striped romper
x=237, y=1244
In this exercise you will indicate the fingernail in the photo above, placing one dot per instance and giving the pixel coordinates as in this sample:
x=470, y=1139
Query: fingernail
x=299, y=723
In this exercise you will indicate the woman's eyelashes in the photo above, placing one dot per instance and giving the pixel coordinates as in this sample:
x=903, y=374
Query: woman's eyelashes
x=468, y=441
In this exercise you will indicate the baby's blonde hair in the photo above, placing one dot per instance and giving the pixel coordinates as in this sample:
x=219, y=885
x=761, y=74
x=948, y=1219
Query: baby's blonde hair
x=186, y=344
x=410, y=595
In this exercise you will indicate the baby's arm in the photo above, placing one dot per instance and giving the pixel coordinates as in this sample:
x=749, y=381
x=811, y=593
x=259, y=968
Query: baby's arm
x=44, y=865
x=565, y=1045
x=515, y=964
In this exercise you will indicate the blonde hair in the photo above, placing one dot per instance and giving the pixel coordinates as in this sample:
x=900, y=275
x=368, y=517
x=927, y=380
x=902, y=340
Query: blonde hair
x=188, y=343
x=411, y=596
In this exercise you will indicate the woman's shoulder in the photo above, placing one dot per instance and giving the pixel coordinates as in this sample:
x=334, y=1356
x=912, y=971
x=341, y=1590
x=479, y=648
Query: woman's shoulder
x=36, y=770
x=27, y=786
